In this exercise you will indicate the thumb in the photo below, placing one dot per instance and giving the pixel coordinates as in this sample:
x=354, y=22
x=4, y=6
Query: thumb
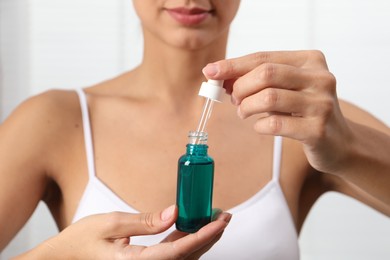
x=120, y=224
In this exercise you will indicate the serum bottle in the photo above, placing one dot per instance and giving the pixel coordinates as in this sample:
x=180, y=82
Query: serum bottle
x=195, y=179
x=195, y=175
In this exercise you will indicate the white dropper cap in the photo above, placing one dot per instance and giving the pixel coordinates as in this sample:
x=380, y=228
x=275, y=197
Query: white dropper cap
x=212, y=89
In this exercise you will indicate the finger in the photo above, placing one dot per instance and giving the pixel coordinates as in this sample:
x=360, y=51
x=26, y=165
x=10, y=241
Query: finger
x=205, y=237
x=299, y=128
x=222, y=216
x=197, y=254
x=228, y=85
x=120, y=224
x=217, y=214
x=270, y=75
x=175, y=235
x=236, y=67
x=275, y=100
x=121, y=241
x=169, y=251
x=188, y=244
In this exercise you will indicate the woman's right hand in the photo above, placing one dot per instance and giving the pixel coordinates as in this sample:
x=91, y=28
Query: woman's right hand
x=108, y=236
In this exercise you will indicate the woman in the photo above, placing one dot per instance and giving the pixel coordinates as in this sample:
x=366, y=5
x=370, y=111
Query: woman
x=138, y=126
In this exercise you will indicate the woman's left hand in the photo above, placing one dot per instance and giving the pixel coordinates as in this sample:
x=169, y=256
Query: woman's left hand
x=293, y=94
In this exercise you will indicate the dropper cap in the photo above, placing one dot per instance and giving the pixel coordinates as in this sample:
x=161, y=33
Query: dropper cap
x=212, y=89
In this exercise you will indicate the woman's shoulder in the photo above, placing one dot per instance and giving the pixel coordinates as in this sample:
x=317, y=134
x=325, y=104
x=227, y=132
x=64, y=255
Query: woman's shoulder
x=42, y=116
x=53, y=98
x=46, y=108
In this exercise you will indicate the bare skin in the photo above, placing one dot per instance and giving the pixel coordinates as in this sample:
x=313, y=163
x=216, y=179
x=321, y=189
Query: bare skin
x=140, y=122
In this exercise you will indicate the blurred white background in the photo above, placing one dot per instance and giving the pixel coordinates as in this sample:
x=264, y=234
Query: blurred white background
x=70, y=43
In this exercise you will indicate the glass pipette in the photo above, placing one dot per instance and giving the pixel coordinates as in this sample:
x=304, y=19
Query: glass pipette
x=212, y=90
x=207, y=109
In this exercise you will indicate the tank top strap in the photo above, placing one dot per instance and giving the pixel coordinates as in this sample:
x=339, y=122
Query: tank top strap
x=277, y=157
x=87, y=132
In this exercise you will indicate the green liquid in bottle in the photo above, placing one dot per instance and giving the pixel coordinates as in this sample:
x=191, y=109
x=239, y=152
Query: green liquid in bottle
x=194, y=188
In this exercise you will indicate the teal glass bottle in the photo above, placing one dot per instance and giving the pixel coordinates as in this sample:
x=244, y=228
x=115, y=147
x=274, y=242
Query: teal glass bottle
x=195, y=179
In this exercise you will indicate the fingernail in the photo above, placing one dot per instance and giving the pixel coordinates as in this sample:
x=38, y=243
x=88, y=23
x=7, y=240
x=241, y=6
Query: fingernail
x=226, y=217
x=215, y=213
x=229, y=217
x=167, y=213
x=210, y=70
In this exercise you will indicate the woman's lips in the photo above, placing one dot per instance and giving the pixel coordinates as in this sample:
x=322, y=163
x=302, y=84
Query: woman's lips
x=186, y=16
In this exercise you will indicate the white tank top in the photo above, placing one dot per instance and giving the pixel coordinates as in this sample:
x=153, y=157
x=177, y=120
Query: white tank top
x=261, y=227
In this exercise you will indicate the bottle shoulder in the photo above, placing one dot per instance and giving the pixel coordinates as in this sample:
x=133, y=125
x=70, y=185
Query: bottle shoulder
x=196, y=159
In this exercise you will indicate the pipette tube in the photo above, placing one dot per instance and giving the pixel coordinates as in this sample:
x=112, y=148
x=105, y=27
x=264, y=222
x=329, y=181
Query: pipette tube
x=206, y=113
x=212, y=90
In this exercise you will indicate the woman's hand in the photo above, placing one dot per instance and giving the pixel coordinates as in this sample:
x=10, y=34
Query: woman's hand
x=107, y=236
x=293, y=94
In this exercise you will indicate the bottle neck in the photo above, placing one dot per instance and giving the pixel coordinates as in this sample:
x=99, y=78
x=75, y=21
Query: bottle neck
x=197, y=143
x=197, y=149
x=195, y=137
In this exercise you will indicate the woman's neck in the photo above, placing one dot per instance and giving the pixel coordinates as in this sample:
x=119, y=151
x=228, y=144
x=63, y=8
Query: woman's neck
x=176, y=71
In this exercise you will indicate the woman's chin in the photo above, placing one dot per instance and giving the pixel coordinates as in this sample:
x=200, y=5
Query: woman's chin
x=192, y=41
